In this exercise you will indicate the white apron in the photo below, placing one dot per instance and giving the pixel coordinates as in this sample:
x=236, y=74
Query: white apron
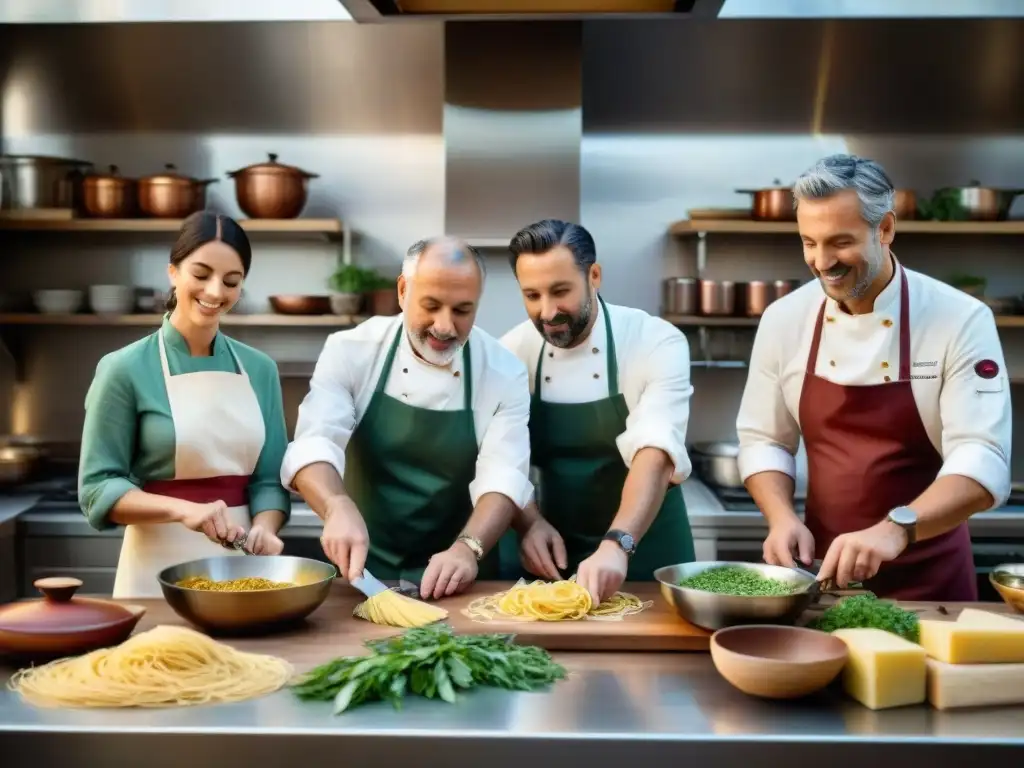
x=219, y=431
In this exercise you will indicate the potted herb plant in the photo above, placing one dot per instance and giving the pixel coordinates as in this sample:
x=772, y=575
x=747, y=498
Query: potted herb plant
x=349, y=284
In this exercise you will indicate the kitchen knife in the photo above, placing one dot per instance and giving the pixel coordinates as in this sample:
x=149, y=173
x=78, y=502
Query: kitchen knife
x=368, y=584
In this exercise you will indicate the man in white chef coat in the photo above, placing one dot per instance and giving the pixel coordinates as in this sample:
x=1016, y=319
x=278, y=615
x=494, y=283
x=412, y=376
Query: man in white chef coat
x=897, y=384
x=610, y=406
x=412, y=443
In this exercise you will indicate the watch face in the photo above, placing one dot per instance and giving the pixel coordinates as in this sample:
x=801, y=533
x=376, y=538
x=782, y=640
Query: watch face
x=627, y=542
x=903, y=516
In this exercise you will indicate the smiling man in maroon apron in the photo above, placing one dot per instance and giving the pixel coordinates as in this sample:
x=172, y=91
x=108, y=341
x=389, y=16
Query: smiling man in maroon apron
x=897, y=384
x=412, y=443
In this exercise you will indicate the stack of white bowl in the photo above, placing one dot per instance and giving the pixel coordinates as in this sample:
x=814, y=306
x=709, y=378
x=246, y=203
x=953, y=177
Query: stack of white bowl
x=58, y=301
x=112, y=299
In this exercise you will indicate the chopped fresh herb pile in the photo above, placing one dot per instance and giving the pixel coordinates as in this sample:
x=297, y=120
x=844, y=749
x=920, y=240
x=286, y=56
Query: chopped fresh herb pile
x=432, y=662
x=868, y=611
x=736, y=580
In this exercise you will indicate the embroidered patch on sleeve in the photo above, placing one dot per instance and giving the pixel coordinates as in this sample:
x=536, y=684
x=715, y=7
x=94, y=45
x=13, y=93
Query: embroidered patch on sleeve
x=987, y=369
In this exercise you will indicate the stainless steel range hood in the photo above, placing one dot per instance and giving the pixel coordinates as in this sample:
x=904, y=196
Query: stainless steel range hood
x=519, y=10
x=525, y=10
x=152, y=11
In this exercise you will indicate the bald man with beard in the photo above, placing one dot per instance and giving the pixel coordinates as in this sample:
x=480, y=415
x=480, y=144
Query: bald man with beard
x=413, y=444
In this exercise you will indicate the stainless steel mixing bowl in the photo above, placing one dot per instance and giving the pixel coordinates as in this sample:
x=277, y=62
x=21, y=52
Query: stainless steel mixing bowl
x=255, y=612
x=712, y=611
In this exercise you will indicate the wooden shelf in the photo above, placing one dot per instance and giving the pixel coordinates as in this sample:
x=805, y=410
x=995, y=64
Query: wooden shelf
x=749, y=227
x=1003, y=321
x=291, y=321
x=326, y=227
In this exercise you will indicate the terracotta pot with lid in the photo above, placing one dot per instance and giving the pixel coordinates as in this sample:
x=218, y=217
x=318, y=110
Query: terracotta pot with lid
x=109, y=195
x=170, y=195
x=271, y=190
x=64, y=625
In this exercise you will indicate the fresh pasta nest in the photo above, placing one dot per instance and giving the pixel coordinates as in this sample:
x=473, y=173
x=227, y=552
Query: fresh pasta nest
x=393, y=609
x=166, y=666
x=552, y=601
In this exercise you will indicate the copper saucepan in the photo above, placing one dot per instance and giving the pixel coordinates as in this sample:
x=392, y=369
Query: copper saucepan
x=170, y=195
x=271, y=190
x=772, y=203
x=109, y=195
x=758, y=294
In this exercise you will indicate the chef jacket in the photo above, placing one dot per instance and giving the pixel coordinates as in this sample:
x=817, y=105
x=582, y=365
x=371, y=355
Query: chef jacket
x=347, y=372
x=654, y=378
x=958, y=375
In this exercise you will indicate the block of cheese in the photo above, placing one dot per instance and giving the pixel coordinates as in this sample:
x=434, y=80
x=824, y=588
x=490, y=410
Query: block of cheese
x=972, y=617
x=883, y=670
x=956, y=642
x=953, y=686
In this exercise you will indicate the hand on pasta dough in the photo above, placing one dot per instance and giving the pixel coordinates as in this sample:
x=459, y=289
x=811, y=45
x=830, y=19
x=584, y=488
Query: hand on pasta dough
x=603, y=572
x=542, y=551
x=449, y=572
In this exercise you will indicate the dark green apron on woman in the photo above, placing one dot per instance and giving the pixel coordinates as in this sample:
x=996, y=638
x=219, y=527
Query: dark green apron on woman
x=582, y=475
x=408, y=470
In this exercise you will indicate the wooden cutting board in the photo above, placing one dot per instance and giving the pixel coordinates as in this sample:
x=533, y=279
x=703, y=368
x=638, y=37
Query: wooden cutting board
x=659, y=628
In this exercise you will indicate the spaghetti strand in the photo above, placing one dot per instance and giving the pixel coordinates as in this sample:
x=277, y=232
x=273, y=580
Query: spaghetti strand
x=552, y=601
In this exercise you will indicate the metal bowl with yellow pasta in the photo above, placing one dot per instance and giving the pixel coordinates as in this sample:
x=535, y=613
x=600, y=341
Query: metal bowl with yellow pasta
x=246, y=595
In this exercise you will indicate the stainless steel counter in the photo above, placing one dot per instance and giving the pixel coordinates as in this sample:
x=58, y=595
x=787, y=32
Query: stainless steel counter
x=615, y=710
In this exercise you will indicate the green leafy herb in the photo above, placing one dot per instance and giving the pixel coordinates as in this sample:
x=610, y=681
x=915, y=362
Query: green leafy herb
x=736, y=580
x=432, y=662
x=868, y=611
x=944, y=205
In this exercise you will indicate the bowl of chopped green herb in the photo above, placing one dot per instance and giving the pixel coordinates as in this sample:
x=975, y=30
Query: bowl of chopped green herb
x=716, y=594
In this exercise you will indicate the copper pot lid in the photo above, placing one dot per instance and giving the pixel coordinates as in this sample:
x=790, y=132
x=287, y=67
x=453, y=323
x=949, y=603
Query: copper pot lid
x=59, y=612
x=777, y=188
x=272, y=167
x=171, y=176
x=112, y=176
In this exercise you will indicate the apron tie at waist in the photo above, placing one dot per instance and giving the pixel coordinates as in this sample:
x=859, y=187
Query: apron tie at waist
x=233, y=490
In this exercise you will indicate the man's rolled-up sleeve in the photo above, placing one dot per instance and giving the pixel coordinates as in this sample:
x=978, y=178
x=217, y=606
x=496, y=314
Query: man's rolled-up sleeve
x=662, y=414
x=977, y=421
x=503, y=462
x=327, y=415
x=768, y=434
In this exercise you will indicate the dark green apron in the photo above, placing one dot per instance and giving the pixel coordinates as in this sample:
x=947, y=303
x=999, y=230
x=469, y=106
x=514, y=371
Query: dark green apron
x=408, y=470
x=582, y=475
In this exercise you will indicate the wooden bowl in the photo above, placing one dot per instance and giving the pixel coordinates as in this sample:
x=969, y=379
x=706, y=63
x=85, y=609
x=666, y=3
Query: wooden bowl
x=777, y=662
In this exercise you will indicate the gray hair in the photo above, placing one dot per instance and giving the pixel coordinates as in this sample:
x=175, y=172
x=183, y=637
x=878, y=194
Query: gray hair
x=836, y=173
x=458, y=251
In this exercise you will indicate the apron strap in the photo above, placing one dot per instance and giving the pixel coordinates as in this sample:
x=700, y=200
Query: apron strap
x=467, y=365
x=610, y=359
x=382, y=380
x=613, y=363
x=904, y=327
x=812, y=357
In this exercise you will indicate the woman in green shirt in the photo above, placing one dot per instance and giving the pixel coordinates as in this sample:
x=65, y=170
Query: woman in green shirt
x=184, y=429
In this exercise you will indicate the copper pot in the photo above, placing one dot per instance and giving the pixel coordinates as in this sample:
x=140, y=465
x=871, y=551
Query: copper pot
x=170, y=195
x=271, y=190
x=772, y=203
x=986, y=203
x=301, y=305
x=109, y=195
x=717, y=297
x=758, y=294
x=64, y=625
x=904, y=204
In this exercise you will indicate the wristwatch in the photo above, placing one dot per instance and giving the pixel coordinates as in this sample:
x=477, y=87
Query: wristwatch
x=905, y=518
x=623, y=539
x=475, y=545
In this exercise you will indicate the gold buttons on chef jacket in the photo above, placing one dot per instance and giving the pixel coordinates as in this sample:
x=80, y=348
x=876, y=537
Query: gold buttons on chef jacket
x=886, y=378
x=885, y=364
x=829, y=319
x=456, y=374
x=887, y=323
